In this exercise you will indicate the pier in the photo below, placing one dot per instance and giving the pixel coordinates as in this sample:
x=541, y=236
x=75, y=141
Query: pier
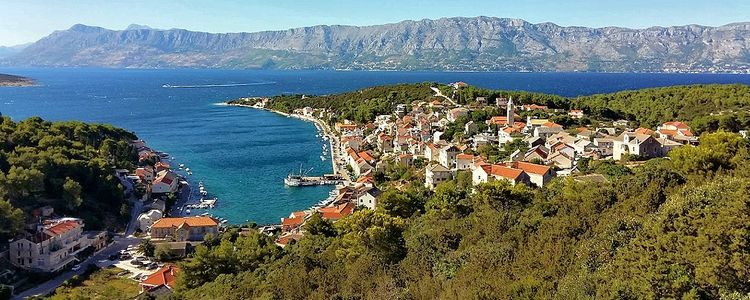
x=298, y=180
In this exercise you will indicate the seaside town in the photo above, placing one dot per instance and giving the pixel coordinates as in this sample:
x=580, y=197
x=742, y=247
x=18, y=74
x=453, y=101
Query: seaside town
x=413, y=136
x=520, y=145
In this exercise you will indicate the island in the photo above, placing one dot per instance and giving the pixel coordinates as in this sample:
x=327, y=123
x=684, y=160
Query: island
x=13, y=80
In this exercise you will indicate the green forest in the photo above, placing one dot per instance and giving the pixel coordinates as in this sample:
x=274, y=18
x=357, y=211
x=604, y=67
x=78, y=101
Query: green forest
x=67, y=165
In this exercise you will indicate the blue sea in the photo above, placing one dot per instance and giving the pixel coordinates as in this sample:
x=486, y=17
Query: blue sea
x=243, y=154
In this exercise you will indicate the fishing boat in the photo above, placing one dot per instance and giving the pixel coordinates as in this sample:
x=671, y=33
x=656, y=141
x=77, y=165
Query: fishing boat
x=299, y=179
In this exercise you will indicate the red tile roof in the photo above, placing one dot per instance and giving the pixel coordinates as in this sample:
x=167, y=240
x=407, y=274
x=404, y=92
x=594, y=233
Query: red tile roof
x=505, y=172
x=645, y=131
x=198, y=221
x=366, y=156
x=531, y=168
x=167, y=275
x=337, y=212
x=63, y=227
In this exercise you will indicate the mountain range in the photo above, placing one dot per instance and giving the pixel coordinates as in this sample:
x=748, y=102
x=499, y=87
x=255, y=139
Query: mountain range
x=470, y=44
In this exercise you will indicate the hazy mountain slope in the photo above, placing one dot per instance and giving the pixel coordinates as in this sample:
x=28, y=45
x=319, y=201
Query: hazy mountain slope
x=480, y=43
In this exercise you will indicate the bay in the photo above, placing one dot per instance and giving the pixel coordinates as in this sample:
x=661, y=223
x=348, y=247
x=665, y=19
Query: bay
x=244, y=154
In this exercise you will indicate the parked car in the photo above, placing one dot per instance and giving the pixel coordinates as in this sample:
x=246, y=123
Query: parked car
x=136, y=262
x=76, y=267
x=152, y=266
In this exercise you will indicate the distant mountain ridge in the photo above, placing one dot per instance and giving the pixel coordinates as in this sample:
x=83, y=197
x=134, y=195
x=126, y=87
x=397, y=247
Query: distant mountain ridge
x=479, y=43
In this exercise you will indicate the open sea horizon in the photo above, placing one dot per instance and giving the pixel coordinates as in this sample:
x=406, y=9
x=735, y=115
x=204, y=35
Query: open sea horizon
x=243, y=154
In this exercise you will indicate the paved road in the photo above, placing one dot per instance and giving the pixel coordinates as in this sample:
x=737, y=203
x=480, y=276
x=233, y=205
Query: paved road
x=49, y=286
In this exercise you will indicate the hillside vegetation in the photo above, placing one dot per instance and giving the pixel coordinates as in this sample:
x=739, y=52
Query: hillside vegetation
x=68, y=165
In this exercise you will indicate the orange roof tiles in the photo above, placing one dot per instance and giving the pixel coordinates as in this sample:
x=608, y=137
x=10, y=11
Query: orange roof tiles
x=198, y=221
x=366, y=156
x=63, y=227
x=167, y=275
x=677, y=124
x=531, y=168
x=464, y=156
x=337, y=212
x=505, y=172
x=645, y=131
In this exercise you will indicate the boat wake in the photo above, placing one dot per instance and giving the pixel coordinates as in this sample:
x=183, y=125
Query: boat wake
x=215, y=85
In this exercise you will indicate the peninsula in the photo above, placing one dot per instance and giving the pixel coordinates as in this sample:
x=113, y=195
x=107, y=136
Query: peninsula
x=13, y=80
x=459, y=191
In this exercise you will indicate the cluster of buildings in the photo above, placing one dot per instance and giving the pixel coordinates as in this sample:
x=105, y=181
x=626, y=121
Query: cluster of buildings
x=52, y=244
x=413, y=135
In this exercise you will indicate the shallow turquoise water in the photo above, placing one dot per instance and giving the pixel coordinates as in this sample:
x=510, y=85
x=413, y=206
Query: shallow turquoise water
x=244, y=154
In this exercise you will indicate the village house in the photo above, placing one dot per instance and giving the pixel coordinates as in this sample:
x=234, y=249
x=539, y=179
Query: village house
x=161, y=282
x=145, y=174
x=605, y=145
x=562, y=160
x=294, y=221
x=464, y=161
x=184, y=229
x=367, y=196
x=576, y=114
x=678, y=132
x=484, y=173
x=432, y=152
x=435, y=174
x=539, y=175
x=53, y=245
x=336, y=212
x=165, y=182
x=406, y=159
x=456, y=113
x=635, y=144
x=447, y=156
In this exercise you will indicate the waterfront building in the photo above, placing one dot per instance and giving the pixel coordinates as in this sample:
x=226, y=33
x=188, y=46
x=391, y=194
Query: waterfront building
x=184, y=229
x=53, y=245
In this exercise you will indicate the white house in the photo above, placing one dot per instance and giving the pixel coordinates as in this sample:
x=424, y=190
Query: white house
x=447, y=156
x=165, y=182
x=435, y=174
x=145, y=220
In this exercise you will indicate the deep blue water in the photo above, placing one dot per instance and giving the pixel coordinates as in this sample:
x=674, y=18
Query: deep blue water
x=244, y=154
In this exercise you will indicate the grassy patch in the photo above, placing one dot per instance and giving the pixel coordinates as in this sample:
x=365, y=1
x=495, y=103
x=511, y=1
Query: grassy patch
x=102, y=284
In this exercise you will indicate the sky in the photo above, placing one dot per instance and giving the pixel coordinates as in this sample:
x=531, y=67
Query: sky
x=24, y=21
